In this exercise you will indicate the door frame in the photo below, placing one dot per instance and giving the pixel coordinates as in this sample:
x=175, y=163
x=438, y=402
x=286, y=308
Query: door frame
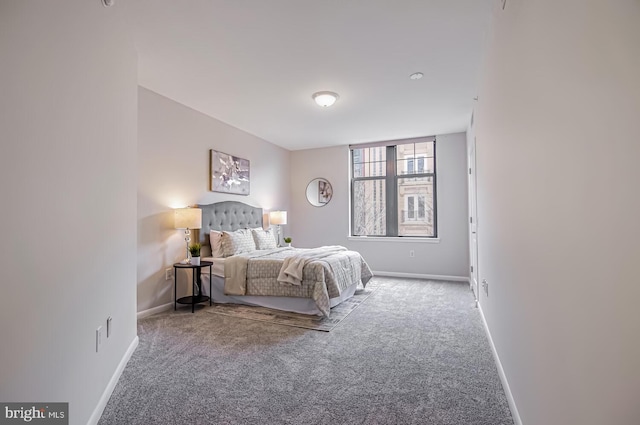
x=473, y=214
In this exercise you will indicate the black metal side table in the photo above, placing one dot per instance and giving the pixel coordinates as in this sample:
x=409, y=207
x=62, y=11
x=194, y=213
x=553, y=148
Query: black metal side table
x=193, y=299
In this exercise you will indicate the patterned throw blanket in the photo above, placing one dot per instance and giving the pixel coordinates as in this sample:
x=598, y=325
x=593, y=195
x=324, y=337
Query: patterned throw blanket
x=292, y=267
x=323, y=278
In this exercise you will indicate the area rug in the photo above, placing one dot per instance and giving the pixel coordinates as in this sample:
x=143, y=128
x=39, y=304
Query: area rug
x=324, y=324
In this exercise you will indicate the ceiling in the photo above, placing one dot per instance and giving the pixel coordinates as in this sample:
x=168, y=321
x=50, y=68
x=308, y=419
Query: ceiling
x=254, y=64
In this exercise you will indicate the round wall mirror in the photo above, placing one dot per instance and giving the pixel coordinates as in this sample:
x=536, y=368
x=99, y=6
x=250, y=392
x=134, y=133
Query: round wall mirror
x=319, y=192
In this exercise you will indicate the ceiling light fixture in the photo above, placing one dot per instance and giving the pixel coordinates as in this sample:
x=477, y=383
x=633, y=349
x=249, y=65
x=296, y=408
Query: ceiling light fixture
x=416, y=75
x=325, y=98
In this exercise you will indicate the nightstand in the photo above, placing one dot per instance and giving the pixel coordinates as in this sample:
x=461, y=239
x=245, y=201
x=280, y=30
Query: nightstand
x=195, y=298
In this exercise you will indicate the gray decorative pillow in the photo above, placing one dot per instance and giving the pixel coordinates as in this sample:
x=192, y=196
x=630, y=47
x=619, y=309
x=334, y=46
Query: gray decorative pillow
x=264, y=238
x=237, y=242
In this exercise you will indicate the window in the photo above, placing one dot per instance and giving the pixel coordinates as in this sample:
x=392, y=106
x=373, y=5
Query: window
x=415, y=210
x=393, y=188
x=415, y=165
x=411, y=213
x=421, y=207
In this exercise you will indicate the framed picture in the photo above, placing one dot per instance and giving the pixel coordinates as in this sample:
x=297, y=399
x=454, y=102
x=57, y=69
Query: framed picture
x=228, y=173
x=324, y=191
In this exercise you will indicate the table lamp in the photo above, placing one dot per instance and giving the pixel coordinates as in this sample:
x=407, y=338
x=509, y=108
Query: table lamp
x=187, y=219
x=278, y=218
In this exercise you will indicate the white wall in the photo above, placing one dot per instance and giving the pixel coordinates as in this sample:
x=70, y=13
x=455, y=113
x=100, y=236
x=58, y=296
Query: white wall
x=68, y=187
x=173, y=160
x=329, y=225
x=557, y=157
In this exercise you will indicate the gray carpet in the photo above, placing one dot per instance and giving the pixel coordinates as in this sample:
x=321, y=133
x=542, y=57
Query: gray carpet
x=414, y=352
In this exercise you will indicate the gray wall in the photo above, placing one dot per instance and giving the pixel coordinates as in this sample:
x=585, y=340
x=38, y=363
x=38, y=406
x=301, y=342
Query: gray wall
x=559, y=238
x=173, y=167
x=68, y=188
x=329, y=225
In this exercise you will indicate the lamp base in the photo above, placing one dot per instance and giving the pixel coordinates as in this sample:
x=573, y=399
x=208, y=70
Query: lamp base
x=278, y=229
x=187, y=239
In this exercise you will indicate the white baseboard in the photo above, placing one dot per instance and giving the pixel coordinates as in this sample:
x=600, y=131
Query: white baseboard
x=503, y=377
x=102, y=403
x=422, y=276
x=155, y=310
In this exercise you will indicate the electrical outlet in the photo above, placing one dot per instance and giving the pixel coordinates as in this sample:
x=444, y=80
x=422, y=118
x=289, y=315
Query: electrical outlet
x=168, y=273
x=98, y=338
x=485, y=286
x=109, y=327
x=412, y=253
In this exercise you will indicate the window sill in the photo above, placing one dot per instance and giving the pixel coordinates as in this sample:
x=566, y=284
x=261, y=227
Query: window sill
x=393, y=239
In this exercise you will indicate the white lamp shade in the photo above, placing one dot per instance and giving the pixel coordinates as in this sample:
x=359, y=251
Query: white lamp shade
x=188, y=218
x=278, y=217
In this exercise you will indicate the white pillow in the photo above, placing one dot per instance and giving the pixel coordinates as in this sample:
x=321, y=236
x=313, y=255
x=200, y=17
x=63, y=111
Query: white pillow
x=237, y=242
x=215, y=238
x=264, y=239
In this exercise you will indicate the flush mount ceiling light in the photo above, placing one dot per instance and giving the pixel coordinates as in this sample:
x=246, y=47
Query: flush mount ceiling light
x=325, y=98
x=416, y=75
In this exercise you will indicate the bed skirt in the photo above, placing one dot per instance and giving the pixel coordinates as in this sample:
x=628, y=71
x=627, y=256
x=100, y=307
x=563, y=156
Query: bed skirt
x=296, y=305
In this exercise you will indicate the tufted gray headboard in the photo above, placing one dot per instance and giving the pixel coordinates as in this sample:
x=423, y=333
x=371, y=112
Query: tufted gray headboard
x=227, y=215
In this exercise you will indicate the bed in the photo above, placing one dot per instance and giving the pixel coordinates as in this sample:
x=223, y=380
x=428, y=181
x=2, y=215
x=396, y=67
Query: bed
x=318, y=280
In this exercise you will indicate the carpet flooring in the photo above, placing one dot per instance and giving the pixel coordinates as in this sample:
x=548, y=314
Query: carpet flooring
x=262, y=314
x=414, y=352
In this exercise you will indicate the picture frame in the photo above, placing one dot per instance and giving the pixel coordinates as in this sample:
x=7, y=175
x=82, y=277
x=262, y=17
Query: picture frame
x=324, y=191
x=229, y=173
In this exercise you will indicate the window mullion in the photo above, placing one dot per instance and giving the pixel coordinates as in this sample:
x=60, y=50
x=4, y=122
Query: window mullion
x=391, y=192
